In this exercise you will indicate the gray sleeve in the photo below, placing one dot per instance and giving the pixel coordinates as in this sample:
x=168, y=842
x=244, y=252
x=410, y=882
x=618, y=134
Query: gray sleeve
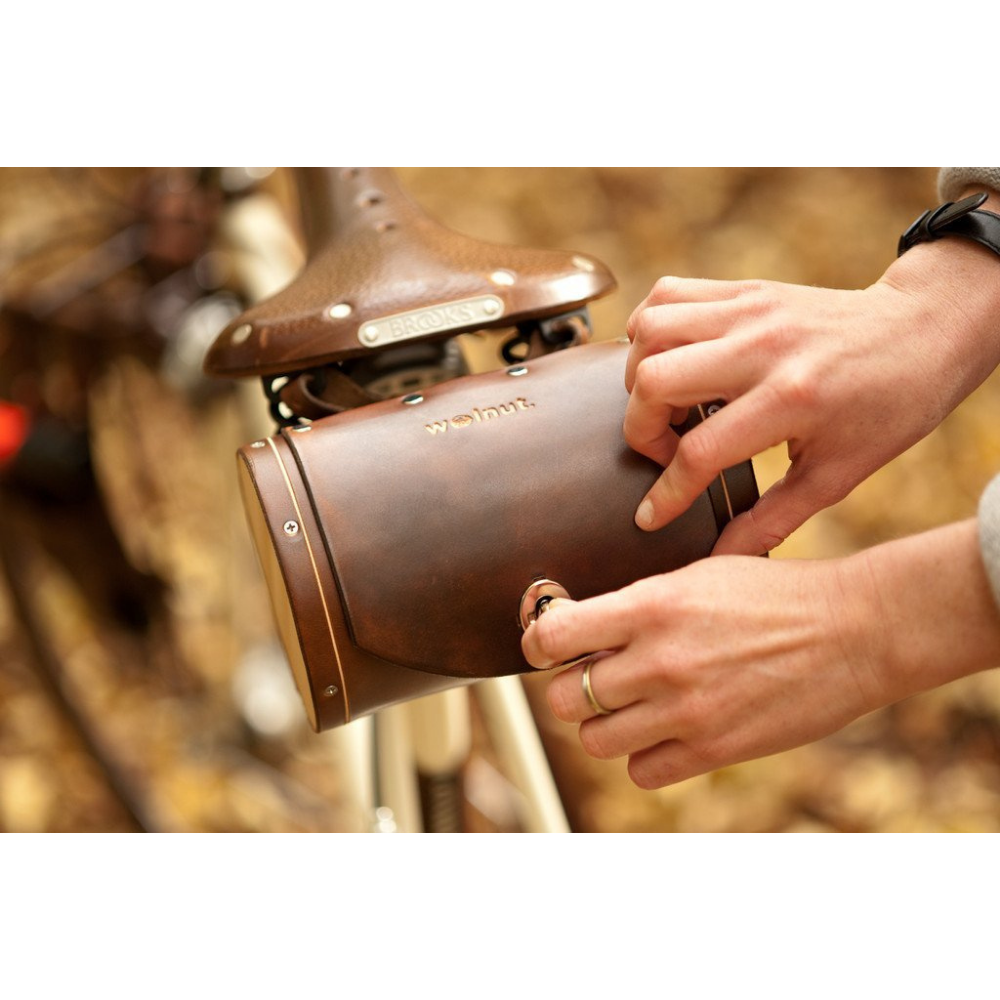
x=953, y=180
x=989, y=533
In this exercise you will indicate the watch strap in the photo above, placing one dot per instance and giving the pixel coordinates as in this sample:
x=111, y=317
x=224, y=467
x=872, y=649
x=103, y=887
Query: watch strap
x=958, y=218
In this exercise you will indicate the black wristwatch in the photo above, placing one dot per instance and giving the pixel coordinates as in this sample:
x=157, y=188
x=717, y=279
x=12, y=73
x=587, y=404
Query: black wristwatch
x=955, y=218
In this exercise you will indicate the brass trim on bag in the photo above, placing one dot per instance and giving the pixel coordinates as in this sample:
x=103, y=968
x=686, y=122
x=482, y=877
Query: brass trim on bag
x=710, y=489
x=275, y=577
x=319, y=584
x=725, y=493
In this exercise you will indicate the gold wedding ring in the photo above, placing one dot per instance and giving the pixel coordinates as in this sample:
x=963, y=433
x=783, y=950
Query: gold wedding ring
x=589, y=691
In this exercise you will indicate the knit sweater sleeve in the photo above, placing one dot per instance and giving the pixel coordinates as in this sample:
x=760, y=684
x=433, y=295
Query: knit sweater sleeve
x=989, y=533
x=952, y=181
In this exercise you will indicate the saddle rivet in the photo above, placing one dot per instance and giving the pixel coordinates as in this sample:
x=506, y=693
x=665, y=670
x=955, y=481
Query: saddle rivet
x=490, y=306
x=412, y=399
x=258, y=444
x=302, y=428
x=517, y=370
x=241, y=334
x=503, y=277
x=331, y=691
x=291, y=528
x=340, y=310
x=369, y=334
x=583, y=263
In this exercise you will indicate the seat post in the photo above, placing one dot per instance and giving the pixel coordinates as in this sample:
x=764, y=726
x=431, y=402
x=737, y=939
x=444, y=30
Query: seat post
x=341, y=197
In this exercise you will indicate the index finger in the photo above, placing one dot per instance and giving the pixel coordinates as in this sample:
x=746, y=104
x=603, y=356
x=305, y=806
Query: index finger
x=670, y=289
x=571, y=629
x=686, y=377
x=734, y=434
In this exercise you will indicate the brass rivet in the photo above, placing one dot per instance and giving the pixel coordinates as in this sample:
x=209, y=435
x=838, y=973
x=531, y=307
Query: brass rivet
x=370, y=334
x=412, y=399
x=490, y=306
x=517, y=370
x=503, y=277
x=259, y=444
x=332, y=691
x=291, y=528
x=241, y=334
x=340, y=310
x=302, y=428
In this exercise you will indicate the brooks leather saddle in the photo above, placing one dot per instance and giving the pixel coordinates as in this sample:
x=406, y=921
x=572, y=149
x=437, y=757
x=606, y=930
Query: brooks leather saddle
x=382, y=274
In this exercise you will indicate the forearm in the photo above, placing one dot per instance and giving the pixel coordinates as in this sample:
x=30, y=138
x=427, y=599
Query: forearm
x=931, y=615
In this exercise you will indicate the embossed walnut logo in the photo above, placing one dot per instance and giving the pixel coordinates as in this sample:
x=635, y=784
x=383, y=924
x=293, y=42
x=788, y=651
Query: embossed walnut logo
x=479, y=416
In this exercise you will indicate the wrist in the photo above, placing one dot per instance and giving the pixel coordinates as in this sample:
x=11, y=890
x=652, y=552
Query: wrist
x=952, y=297
x=946, y=226
x=931, y=613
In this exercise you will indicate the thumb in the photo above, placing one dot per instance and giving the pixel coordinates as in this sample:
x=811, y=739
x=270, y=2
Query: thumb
x=787, y=505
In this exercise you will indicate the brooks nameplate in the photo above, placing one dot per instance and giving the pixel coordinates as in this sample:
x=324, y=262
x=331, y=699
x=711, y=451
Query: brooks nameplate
x=431, y=319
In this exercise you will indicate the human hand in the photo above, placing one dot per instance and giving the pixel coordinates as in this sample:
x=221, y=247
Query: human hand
x=849, y=379
x=734, y=658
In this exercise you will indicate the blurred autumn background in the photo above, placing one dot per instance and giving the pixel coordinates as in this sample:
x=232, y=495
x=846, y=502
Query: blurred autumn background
x=141, y=683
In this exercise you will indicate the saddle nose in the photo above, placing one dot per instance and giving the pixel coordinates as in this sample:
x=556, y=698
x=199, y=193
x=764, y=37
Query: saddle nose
x=382, y=272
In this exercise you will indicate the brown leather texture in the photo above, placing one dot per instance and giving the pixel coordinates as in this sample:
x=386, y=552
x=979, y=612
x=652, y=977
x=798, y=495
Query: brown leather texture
x=420, y=526
x=376, y=254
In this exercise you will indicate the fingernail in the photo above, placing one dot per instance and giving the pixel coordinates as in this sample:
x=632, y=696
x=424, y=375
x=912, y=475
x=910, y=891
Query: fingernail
x=644, y=515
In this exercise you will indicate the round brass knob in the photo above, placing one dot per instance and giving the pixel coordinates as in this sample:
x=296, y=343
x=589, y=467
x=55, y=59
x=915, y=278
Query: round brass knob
x=537, y=597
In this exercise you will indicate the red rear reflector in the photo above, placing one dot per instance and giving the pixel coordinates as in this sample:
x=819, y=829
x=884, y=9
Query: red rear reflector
x=13, y=430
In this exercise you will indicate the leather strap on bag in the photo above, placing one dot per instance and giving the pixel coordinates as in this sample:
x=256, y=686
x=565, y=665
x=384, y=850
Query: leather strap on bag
x=319, y=394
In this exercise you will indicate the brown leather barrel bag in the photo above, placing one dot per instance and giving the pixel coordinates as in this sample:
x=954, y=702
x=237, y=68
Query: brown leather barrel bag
x=399, y=538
